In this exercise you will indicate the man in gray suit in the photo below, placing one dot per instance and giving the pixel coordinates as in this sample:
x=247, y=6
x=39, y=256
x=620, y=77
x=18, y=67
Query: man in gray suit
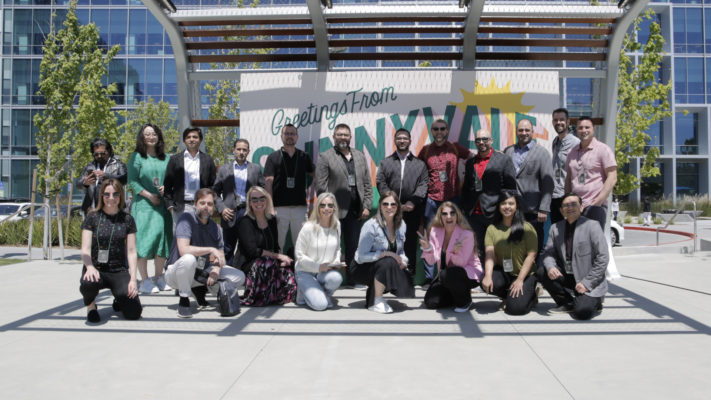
x=534, y=177
x=344, y=172
x=575, y=259
x=233, y=181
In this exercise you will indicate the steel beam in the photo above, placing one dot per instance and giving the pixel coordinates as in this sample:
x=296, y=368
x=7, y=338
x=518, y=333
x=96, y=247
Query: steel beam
x=471, y=28
x=320, y=35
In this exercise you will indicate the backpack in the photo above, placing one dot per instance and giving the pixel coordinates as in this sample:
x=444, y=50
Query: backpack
x=228, y=303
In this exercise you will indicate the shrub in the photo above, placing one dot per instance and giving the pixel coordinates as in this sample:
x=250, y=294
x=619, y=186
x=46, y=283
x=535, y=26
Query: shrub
x=703, y=203
x=15, y=233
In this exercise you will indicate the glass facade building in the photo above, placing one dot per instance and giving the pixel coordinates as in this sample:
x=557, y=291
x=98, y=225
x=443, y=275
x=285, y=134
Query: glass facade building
x=145, y=68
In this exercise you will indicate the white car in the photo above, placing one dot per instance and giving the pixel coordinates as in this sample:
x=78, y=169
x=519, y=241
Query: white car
x=617, y=233
x=7, y=209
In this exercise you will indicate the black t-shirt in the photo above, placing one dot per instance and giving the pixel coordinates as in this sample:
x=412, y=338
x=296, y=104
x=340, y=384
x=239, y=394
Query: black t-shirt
x=102, y=224
x=296, y=167
x=350, y=167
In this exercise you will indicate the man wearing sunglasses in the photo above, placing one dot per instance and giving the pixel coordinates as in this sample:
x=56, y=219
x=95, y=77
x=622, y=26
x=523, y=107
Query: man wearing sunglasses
x=104, y=166
x=484, y=177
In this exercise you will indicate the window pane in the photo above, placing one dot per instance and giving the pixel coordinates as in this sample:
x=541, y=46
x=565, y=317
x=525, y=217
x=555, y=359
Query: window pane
x=171, y=83
x=21, y=125
x=643, y=33
x=22, y=31
x=579, y=95
x=687, y=133
x=101, y=19
x=154, y=36
x=696, y=80
x=154, y=78
x=20, y=178
x=21, y=81
x=687, y=179
x=137, y=32
x=36, y=99
x=136, y=81
x=694, y=32
x=119, y=29
x=680, y=80
x=117, y=75
x=40, y=27
x=679, y=30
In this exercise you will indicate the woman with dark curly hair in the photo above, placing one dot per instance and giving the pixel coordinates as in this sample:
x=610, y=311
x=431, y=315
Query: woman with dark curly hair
x=146, y=170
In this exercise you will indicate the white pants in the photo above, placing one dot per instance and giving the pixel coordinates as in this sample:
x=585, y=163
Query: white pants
x=293, y=217
x=188, y=208
x=181, y=275
x=647, y=218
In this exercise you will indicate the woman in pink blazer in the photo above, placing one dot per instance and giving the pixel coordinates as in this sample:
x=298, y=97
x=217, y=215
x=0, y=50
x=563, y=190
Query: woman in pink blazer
x=450, y=244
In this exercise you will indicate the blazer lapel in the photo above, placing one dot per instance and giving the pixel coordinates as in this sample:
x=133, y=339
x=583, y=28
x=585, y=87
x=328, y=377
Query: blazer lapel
x=528, y=158
x=340, y=162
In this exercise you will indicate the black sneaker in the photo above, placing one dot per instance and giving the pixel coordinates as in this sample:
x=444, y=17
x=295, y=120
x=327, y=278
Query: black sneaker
x=93, y=316
x=116, y=306
x=199, y=293
x=598, y=310
x=564, y=309
x=184, y=308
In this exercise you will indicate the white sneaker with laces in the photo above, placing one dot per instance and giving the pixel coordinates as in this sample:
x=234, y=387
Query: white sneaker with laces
x=161, y=285
x=464, y=309
x=148, y=287
x=380, y=306
x=360, y=287
x=300, y=297
x=329, y=303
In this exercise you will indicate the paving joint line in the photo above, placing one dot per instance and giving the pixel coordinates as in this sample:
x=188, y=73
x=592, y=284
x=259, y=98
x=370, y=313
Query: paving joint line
x=15, y=341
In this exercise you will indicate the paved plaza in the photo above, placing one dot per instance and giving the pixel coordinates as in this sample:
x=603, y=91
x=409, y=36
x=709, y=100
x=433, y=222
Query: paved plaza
x=651, y=341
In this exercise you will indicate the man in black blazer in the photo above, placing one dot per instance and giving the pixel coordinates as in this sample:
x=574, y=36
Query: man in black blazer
x=480, y=193
x=232, y=184
x=187, y=172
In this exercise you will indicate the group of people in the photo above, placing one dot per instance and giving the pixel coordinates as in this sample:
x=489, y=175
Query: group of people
x=485, y=232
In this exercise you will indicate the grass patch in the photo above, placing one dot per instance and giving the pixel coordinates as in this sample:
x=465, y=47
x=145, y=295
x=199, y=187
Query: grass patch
x=15, y=233
x=8, y=261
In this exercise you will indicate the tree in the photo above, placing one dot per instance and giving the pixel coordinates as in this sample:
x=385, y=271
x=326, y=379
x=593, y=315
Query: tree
x=642, y=101
x=147, y=112
x=78, y=106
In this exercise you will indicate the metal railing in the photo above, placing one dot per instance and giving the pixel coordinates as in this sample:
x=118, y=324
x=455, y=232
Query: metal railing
x=47, y=214
x=681, y=208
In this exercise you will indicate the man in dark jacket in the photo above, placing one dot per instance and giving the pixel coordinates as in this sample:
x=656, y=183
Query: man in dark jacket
x=104, y=166
x=406, y=175
x=484, y=177
x=186, y=173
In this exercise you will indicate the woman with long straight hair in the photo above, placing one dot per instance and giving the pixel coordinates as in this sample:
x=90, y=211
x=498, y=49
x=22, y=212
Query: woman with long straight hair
x=108, y=237
x=146, y=170
x=318, y=255
x=510, y=263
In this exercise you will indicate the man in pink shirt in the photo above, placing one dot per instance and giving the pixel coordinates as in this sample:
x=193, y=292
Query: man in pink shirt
x=591, y=172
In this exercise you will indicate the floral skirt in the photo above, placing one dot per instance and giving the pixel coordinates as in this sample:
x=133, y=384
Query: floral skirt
x=268, y=283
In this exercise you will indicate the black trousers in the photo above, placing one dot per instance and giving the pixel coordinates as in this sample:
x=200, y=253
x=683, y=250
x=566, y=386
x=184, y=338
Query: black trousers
x=556, y=216
x=521, y=304
x=397, y=281
x=538, y=226
x=584, y=306
x=598, y=213
x=118, y=283
x=229, y=236
x=412, y=222
x=479, y=224
x=350, y=229
x=451, y=287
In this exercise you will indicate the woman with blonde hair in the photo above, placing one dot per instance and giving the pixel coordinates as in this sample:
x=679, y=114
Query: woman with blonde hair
x=450, y=243
x=269, y=279
x=318, y=255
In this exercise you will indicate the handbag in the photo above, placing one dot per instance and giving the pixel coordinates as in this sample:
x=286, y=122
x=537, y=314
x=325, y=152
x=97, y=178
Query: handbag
x=228, y=303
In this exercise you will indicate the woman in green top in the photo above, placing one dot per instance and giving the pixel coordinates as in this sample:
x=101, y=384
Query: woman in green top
x=146, y=170
x=511, y=246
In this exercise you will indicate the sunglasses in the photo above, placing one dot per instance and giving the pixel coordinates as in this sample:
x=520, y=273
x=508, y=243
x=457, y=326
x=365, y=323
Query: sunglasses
x=389, y=204
x=449, y=214
x=569, y=205
x=100, y=153
x=482, y=139
x=322, y=206
x=439, y=129
x=256, y=200
x=115, y=195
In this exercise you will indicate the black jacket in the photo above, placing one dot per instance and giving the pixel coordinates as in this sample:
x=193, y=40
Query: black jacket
x=252, y=241
x=115, y=169
x=174, y=181
x=499, y=174
x=412, y=187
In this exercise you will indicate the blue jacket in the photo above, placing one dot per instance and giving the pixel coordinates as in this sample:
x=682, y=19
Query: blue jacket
x=374, y=240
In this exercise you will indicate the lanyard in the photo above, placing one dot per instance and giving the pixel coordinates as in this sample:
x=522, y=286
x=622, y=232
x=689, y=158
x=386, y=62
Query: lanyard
x=112, y=232
x=286, y=170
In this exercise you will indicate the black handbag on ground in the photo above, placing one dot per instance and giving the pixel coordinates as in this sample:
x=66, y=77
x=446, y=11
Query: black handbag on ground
x=228, y=303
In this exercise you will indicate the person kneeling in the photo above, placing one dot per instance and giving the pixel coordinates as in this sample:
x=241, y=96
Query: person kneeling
x=575, y=258
x=450, y=244
x=318, y=255
x=197, y=254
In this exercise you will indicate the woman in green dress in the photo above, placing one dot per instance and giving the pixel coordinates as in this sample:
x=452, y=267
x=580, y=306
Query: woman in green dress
x=146, y=170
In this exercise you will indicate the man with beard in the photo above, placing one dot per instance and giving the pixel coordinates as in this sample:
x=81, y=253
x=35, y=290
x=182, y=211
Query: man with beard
x=198, y=250
x=344, y=172
x=406, y=175
x=561, y=147
x=484, y=177
x=285, y=178
x=186, y=173
x=104, y=166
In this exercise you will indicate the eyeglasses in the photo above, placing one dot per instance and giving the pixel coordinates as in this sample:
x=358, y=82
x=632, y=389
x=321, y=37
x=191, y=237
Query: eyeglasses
x=256, y=200
x=342, y=135
x=389, y=205
x=569, y=205
x=99, y=153
x=438, y=129
x=322, y=206
x=150, y=134
x=402, y=138
x=482, y=139
x=115, y=195
x=289, y=134
x=449, y=214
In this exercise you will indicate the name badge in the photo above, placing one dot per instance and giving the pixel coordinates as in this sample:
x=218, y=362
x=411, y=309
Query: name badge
x=443, y=176
x=201, y=263
x=568, y=267
x=351, y=180
x=581, y=178
x=508, y=265
x=291, y=182
x=239, y=200
x=558, y=174
x=478, y=186
x=103, y=256
x=156, y=182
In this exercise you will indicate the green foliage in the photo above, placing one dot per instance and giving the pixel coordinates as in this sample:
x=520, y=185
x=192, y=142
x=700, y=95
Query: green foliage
x=627, y=219
x=657, y=221
x=425, y=64
x=15, y=233
x=78, y=106
x=703, y=203
x=147, y=112
x=642, y=101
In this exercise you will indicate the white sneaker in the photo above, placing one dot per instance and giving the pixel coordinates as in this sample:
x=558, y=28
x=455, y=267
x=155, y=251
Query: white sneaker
x=380, y=306
x=148, y=287
x=329, y=303
x=360, y=287
x=465, y=308
x=162, y=286
x=300, y=297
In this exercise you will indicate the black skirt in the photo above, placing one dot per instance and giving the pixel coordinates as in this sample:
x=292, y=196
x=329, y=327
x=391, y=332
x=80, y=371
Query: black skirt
x=397, y=281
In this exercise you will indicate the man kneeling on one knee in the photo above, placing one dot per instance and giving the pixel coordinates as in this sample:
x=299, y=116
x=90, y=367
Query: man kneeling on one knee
x=198, y=255
x=574, y=262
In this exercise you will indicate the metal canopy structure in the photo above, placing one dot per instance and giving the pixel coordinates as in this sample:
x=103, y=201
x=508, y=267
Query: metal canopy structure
x=218, y=36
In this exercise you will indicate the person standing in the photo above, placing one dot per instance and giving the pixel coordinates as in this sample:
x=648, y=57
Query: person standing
x=592, y=172
x=146, y=170
x=534, y=177
x=442, y=160
x=484, y=177
x=232, y=184
x=187, y=173
x=407, y=176
x=647, y=212
x=615, y=206
x=285, y=181
x=561, y=147
x=104, y=166
x=344, y=172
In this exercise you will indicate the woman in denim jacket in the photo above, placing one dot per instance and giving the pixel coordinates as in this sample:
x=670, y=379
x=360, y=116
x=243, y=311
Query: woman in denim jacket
x=380, y=262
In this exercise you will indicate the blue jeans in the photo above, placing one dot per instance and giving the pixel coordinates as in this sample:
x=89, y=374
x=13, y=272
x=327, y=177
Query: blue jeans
x=431, y=207
x=315, y=287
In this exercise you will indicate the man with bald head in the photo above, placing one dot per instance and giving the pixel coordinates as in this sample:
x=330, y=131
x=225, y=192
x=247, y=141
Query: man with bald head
x=534, y=177
x=484, y=177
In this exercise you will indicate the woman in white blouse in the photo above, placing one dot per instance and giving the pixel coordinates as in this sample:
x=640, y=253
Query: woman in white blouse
x=318, y=255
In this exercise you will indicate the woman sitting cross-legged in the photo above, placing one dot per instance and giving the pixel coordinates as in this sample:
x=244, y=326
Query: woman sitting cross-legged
x=510, y=266
x=269, y=278
x=109, y=235
x=451, y=245
x=380, y=262
x=318, y=255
